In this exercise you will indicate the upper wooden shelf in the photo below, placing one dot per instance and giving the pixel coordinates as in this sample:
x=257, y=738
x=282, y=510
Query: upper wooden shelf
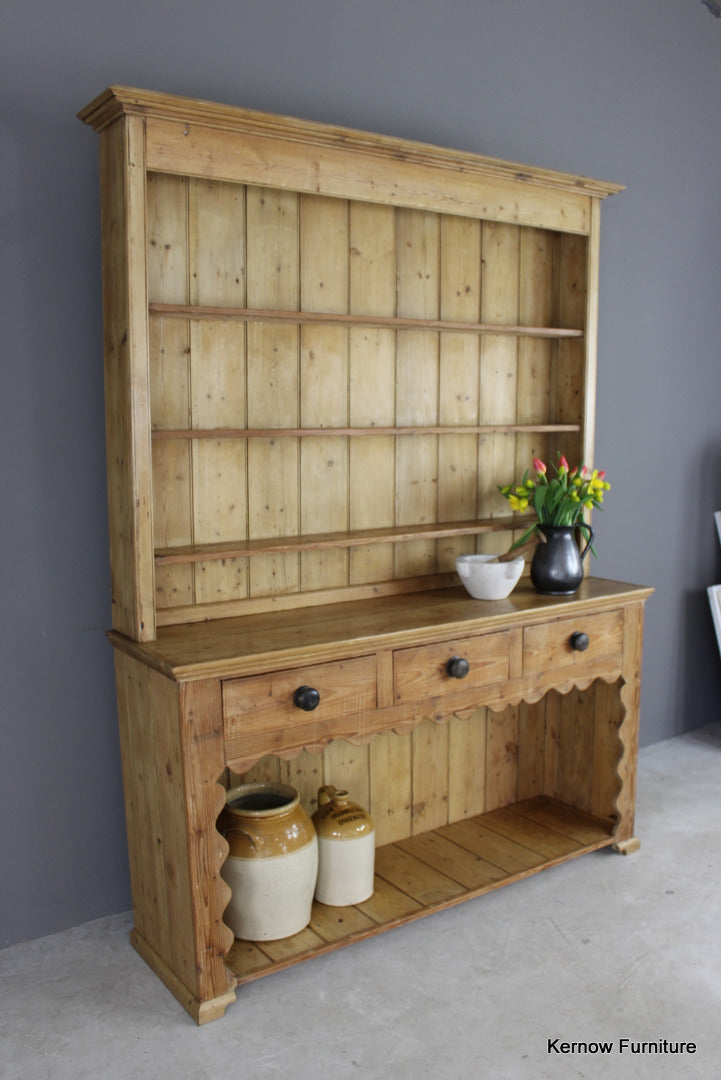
x=377, y=322
x=234, y=549
x=288, y=433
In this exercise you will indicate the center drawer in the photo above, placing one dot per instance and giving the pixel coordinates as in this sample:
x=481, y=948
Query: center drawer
x=264, y=703
x=428, y=670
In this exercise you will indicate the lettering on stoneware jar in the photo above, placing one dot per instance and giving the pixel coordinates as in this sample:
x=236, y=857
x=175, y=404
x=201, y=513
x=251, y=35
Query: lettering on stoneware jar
x=346, y=849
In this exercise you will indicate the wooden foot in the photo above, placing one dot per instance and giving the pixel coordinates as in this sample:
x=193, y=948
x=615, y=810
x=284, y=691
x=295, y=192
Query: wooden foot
x=201, y=1011
x=627, y=847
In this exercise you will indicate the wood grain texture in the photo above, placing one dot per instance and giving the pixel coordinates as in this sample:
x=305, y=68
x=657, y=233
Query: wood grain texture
x=127, y=393
x=178, y=894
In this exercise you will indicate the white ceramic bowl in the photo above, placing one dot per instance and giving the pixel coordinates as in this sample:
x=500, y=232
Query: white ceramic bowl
x=487, y=580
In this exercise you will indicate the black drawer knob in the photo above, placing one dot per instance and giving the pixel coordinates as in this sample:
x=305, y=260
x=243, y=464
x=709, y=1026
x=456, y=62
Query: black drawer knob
x=458, y=667
x=579, y=641
x=306, y=698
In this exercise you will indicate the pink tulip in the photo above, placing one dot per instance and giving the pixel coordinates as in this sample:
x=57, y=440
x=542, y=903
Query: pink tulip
x=539, y=467
x=562, y=463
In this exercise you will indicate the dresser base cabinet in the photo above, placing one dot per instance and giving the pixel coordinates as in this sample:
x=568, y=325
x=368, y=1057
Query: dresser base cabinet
x=471, y=786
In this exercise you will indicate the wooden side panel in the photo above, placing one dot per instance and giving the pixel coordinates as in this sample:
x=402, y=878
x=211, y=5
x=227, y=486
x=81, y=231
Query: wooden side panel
x=372, y=290
x=127, y=404
x=628, y=731
x=500, y=252
x=172, y=755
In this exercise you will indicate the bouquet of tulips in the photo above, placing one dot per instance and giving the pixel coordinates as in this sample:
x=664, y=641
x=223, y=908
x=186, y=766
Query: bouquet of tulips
x=557, y=500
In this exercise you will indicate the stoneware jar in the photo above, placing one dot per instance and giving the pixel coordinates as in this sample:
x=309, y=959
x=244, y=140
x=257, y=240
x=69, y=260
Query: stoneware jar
x=346, y=849
x=273, y=861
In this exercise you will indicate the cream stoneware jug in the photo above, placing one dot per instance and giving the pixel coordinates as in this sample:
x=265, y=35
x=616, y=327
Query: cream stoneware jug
x=346, y=849
x=273, y=861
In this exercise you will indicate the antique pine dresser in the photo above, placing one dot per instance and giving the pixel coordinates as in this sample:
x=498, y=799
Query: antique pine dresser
x=324, y=349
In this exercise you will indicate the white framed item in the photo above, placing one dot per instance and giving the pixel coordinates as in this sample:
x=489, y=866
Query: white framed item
x=714, y=591
x=714, y=597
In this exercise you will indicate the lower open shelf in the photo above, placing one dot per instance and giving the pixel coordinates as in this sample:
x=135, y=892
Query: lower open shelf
x=432, y=871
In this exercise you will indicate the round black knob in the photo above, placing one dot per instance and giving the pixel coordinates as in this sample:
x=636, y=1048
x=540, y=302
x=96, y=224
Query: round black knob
x=306, y=698
x=458, y=667
x=579, y=641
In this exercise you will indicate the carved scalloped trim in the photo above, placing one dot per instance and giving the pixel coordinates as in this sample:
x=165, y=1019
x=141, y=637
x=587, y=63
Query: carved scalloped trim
x=222, y=888
x=531, y=697
x=623, y=749
x=402, y=727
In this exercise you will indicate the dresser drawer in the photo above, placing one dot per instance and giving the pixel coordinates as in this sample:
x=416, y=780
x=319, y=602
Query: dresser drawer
x=259, y=703
x=423, y=672
x=582, y=641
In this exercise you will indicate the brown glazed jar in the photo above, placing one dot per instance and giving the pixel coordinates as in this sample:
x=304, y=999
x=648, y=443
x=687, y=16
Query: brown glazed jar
x=273, y=861
x=346, y=849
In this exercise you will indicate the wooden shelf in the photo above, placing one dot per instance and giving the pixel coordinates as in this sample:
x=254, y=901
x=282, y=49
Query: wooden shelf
x=376, y=322
x=433, y=871
x=288, y=433
x=239, y=549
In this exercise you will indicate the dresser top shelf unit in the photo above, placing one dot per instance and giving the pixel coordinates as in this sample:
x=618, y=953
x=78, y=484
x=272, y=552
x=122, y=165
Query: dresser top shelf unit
x=325, y=349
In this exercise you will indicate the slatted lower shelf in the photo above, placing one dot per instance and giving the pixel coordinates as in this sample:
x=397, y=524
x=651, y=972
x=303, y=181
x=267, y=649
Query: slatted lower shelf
x=432, y=871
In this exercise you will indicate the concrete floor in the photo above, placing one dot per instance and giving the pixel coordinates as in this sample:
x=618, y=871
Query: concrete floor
x=600, y=949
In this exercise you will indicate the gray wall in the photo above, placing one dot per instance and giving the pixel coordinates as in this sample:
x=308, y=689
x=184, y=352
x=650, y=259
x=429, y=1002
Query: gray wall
x=624, y=90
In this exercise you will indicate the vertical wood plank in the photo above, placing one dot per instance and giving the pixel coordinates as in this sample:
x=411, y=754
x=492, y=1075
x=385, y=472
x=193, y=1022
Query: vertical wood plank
x=390, y=786
x=459, y=384
x=605, y=782
x=500, y=253
x=575, y=751
x=347, y=766
x=168, y=270
x=417, y=361
x=552, y=703
x=273, y=387
x=572, y=306
x=324, y=385
x=467, y=765
x=531, y=749
x=538, y=253
x=305, y=774
x=502, y=758
x=372, y=290
x=217, y=251
x=429, y=742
